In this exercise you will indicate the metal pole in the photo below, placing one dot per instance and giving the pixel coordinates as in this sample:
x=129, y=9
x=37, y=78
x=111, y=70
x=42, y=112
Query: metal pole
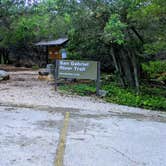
x=56, y=73
x=98, y=79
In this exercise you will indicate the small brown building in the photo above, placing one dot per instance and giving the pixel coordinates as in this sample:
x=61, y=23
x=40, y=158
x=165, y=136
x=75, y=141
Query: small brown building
x=53, y=48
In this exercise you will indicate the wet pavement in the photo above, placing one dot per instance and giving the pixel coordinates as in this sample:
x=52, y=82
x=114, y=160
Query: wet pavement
x=30, y=137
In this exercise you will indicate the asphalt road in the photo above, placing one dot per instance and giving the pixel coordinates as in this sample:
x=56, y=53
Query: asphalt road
x=41, y=137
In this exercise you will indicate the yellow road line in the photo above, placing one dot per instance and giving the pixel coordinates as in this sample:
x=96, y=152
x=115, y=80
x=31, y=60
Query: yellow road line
x=62, y=141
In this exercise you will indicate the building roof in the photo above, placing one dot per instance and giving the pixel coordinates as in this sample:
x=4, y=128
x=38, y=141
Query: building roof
x=57, y=42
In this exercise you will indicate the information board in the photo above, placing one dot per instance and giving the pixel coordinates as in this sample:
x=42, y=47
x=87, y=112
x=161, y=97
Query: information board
x=77, y=69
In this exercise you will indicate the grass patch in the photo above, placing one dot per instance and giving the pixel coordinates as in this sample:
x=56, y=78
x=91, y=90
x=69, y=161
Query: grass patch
x=80, y=89
x=35, y=67
x=149, y=98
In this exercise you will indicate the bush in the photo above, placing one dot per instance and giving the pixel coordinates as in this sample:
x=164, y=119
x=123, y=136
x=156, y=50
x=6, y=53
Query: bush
x=155, y=70
x=35, y=67
x=150, y=98
x=80, y=89
x=130, y=98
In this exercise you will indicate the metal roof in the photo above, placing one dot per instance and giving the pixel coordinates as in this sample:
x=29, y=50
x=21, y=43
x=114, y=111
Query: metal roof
x=57, y=42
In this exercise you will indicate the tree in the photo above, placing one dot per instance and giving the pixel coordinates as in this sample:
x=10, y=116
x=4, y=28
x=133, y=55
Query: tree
x=119, y=33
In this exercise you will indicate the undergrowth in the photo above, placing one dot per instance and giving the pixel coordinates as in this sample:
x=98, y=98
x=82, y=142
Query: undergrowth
x=149, y=98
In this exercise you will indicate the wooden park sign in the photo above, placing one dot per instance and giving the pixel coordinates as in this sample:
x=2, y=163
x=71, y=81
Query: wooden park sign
x=78, y=70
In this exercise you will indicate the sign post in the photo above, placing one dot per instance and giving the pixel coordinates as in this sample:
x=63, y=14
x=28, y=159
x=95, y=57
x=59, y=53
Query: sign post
x=56, y=73
x=78, y=70
x=98, y=79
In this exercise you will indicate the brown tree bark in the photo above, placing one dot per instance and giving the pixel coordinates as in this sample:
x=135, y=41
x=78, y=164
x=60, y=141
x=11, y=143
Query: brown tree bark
x=117, y=67
x=135, y=70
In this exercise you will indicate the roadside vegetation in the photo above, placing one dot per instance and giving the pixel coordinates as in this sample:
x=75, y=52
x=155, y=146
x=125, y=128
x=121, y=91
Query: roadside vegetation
x=128, y=37
x=152, y=94
x=149, y=97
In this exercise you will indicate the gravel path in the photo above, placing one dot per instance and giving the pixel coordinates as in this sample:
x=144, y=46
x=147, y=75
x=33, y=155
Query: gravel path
x=24, y=88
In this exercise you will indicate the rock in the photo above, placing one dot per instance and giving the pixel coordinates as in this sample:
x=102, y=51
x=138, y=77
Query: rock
x=46, y=77
x=102, y=93
x=4, y=75
x=50, y=68
x=43, y=72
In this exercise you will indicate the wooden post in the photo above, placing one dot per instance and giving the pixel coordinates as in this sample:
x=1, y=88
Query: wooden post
x=47, y=55
x=56, y=73
x=98, y=79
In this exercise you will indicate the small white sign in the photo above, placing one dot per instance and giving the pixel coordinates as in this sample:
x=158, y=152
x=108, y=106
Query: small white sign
x=64, y=54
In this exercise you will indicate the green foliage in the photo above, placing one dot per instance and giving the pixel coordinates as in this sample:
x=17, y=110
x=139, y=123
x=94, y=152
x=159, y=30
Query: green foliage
x=92, y=21
x=35, y=67
x=132, y=28
x=27, y=28
x=73, y=56
x=130, y=98
x=1, y=59
x=149, y=98
x=114, y=30
x=22, y=25
x=155, y=47
x=81, y=89
x=149, y=17
x=155, y=69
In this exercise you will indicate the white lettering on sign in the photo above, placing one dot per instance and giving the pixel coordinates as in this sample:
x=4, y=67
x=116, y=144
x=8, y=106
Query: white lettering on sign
x=76, y=66
x=70, y=74
x=77, y=69
x=64, y=63
x=81, y=69
x=79, y=64
x=65, y=68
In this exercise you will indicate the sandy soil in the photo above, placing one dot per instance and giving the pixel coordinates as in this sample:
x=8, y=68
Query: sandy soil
x=24, y=88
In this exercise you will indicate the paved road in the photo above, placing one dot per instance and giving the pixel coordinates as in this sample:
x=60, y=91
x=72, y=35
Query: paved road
x=31, y=137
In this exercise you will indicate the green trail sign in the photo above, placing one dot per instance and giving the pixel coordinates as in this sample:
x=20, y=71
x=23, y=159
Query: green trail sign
x=77, y=69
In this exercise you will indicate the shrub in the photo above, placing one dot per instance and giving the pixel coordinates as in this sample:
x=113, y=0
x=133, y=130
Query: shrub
x=155, y=69
x=81, y=89
x=130, y=98
x=150, y=98
x=35, y=67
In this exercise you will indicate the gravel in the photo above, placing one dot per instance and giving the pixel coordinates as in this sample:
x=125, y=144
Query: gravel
x=24, y=88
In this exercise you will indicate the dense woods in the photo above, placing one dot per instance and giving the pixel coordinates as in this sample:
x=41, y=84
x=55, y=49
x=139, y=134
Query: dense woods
x=123, y=34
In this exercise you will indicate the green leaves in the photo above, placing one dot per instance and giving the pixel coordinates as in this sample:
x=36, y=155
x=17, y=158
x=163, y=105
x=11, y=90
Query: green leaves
x=149, y=17
x=155, y=70
x=128, y=97
x=26, y=29
x=114, y=30
x=121, y=96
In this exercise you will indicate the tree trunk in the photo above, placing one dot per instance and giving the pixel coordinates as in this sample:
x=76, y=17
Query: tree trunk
x=135, y=70
x=127, y=68
x=118, y=69
x=0, y=57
